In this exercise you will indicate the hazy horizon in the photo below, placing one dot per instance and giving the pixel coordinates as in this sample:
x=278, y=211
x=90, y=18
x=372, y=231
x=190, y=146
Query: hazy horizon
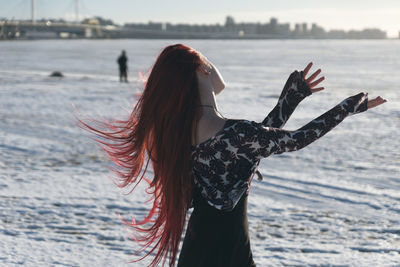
x=340, y=14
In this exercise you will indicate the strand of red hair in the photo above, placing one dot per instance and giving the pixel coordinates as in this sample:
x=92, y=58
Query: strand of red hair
x=159, y=130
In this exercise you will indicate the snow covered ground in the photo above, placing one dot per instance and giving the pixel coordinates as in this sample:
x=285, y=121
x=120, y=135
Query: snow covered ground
x=334, y=203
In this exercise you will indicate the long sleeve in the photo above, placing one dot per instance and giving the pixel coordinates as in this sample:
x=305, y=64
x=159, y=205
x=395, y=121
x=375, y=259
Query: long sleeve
x=294, y=91
x=260, y=141
x=223, y=165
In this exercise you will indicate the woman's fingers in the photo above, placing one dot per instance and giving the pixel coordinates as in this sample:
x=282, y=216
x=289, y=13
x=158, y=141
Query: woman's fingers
x=307, y=69
x=317, y=89
x=376, y=102
x=312, y=77
x=313, y=84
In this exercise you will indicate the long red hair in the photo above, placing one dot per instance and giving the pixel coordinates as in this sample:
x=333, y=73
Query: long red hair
x=159, y=130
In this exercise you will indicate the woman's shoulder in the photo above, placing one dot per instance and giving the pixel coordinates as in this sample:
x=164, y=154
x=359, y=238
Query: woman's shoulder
x=231, y=129
x=240, y=123
x=243, y=125
x=243, y=129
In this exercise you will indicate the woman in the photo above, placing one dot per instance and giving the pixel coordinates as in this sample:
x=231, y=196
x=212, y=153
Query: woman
x=203, y=160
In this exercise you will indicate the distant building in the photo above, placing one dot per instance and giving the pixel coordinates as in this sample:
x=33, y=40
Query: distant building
x=297, y=30
x=284, y=29
x=98, y=27
x=99, y=21
x=336, y=34
x=230, y=23
x=274, y=25
x=367, y=34
x=304, y=28
x=317, y=32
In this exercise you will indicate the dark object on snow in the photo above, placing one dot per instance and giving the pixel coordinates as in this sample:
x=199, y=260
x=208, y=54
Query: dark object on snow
x=123, y=67
x=56, y=74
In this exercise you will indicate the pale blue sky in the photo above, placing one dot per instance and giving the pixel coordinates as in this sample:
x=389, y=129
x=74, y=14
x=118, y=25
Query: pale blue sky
x=337, y=14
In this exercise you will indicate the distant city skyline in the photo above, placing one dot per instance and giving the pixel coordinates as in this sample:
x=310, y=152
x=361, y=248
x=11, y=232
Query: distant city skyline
x=339, y=14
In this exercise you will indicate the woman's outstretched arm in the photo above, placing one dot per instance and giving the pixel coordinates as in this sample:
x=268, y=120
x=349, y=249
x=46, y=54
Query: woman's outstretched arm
x=297, y=88
x=260, y=141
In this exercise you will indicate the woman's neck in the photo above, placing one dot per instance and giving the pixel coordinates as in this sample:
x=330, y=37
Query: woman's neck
x=211, y=112
x=209, y=103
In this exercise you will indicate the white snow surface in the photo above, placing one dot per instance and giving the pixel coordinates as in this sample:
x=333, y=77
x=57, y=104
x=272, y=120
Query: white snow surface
x=334, y=203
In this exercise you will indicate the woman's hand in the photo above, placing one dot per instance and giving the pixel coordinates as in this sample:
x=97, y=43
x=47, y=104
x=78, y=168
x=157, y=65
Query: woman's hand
x=376, y=102
x=311, y=82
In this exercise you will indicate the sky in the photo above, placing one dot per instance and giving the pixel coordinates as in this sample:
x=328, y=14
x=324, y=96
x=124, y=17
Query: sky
x=330, y=14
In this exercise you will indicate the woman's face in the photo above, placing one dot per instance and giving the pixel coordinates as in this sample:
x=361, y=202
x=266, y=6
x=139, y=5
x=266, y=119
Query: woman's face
x=213, y=75
x=217, y=80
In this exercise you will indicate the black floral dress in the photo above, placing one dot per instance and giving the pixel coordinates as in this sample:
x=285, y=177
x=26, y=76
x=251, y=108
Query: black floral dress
x=223, y=167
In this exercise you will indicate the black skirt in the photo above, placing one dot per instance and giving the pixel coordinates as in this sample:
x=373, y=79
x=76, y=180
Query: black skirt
x=216, y=238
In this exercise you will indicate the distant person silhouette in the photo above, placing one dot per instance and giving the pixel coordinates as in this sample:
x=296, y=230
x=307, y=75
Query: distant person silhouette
x=123, y=67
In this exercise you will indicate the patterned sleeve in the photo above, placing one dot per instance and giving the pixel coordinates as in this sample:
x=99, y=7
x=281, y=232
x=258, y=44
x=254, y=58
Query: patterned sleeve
x=294, y=91
x=259, y=141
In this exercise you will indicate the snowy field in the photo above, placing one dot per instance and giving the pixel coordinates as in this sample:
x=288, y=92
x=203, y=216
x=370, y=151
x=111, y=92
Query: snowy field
x=334, y=203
